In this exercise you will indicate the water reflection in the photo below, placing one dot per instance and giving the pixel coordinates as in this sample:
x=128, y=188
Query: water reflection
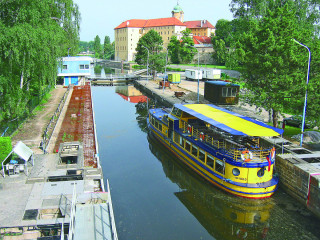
x=224, y=216
x=131, y=94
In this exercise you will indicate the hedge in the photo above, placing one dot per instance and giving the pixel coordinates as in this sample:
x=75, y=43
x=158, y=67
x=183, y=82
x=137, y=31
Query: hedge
x=5, y=147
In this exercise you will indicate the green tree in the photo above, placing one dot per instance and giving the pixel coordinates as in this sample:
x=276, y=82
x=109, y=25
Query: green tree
x=220, y=51
x=271, y=63
x=174, y=50
x=108, y=48
x=187, y=51
x=33, y=35
x=97, y=47
x=182, y=51
x=153, y=42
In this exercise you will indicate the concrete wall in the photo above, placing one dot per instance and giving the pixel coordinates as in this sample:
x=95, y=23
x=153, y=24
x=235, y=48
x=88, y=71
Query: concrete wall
x=300, y=180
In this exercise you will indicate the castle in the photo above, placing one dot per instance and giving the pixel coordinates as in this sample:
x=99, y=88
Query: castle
x=128, y=33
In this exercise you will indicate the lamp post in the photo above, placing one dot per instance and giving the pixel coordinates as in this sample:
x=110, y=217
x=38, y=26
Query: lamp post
x=198, y=73
x=147, y=62
x=165, y=71
x=306, y=95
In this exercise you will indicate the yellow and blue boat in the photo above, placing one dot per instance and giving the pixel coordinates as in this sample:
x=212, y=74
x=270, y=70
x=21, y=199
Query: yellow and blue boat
x=223, y=147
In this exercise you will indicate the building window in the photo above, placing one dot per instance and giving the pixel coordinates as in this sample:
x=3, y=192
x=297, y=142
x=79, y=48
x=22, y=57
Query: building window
x=84, y=66
x=229, y=92
x=65, y=67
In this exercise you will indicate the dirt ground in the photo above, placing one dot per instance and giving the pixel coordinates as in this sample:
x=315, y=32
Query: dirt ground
x=31, y=131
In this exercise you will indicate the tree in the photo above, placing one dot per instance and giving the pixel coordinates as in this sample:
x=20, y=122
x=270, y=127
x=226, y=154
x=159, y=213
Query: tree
x=220, y=51
x=33, y=35
x=187, y=51
x=97, y=47
x=271, y=63
x=153, y=42
x=174, y=50
x=182, y=51
x=108, y=48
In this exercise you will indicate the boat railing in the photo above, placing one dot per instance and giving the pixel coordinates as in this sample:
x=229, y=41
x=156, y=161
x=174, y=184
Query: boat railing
x=229, y=147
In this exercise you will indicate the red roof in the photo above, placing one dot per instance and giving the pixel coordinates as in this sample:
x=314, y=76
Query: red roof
x=201, y=40
x=133, y=23
x=197, y=24
x=159, y=22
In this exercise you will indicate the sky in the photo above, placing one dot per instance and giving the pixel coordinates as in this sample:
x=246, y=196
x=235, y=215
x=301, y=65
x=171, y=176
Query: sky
x=100, y=17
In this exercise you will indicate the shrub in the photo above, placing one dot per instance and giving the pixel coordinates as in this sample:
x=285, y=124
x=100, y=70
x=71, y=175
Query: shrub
x=5, y=147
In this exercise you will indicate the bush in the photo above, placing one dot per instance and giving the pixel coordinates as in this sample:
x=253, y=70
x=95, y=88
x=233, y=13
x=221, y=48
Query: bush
x=5, y=147
x=138, y=67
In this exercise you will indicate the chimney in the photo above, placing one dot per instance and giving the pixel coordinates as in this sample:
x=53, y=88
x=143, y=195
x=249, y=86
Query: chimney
x=128, y=23
x=201, y=23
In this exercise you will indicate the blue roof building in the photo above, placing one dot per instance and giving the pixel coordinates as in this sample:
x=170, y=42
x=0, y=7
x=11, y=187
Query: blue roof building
x=75, y=70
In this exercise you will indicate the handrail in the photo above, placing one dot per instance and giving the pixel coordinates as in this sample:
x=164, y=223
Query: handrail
x=232, y=149
x=113, y=223
x=47, y=134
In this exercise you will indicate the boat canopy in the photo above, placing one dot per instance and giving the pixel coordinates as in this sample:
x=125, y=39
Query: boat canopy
x=228, y=121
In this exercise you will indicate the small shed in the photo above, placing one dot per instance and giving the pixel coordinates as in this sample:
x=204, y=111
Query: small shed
x=174, y=77
x=24, y=152
x=220, y=92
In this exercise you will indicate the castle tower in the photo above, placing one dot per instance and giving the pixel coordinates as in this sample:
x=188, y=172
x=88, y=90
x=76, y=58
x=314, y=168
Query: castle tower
x=178, y=13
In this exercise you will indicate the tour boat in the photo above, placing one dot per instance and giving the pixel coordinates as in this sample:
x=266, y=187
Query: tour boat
x=225, y=148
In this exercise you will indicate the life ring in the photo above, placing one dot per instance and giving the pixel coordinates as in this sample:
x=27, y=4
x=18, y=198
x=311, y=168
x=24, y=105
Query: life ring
x=242, y=233
x=273, y=153
x=189, y=129
x=201, y=136
x=246, y=156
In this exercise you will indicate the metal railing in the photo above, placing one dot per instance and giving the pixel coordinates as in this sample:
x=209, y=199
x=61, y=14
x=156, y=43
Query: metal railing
x=113, y=223
x=47, y=134
x=229, y=147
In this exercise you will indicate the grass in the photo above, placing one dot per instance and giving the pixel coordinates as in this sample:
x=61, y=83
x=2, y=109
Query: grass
x=290, y=131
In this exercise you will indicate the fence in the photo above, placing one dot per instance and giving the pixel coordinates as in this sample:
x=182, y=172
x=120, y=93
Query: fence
x=47, y=134
x=8, y=127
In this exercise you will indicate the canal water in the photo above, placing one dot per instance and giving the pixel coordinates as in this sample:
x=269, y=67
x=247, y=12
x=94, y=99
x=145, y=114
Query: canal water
x=155, y=197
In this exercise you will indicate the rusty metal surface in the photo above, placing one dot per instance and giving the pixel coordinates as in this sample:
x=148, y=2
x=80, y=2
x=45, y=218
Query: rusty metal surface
x=78, y=124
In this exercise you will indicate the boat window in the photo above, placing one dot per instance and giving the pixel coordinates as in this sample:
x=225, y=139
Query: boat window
x=236, y=171
x=160, y=127
x=202, y=155
x=194, y=150
x=188, y=146
x=153, y=121
x=176, y=111
x=156, y=124
x=210, y=160
x=181, y=142
x=261, y=172
x=176, y=138
x=219, y=166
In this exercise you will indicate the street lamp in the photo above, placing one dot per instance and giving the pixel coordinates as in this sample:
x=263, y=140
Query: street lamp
x=198, y=72
x=147, y=62
x=68, y=50
x=165, y=71
x=305, y=98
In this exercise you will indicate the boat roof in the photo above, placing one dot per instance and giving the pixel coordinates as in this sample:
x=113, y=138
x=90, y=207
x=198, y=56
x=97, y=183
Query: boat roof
x=228, y=121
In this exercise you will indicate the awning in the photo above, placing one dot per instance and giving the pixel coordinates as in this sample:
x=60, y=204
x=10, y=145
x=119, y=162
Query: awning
x=23, y=151
x=228, y=121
